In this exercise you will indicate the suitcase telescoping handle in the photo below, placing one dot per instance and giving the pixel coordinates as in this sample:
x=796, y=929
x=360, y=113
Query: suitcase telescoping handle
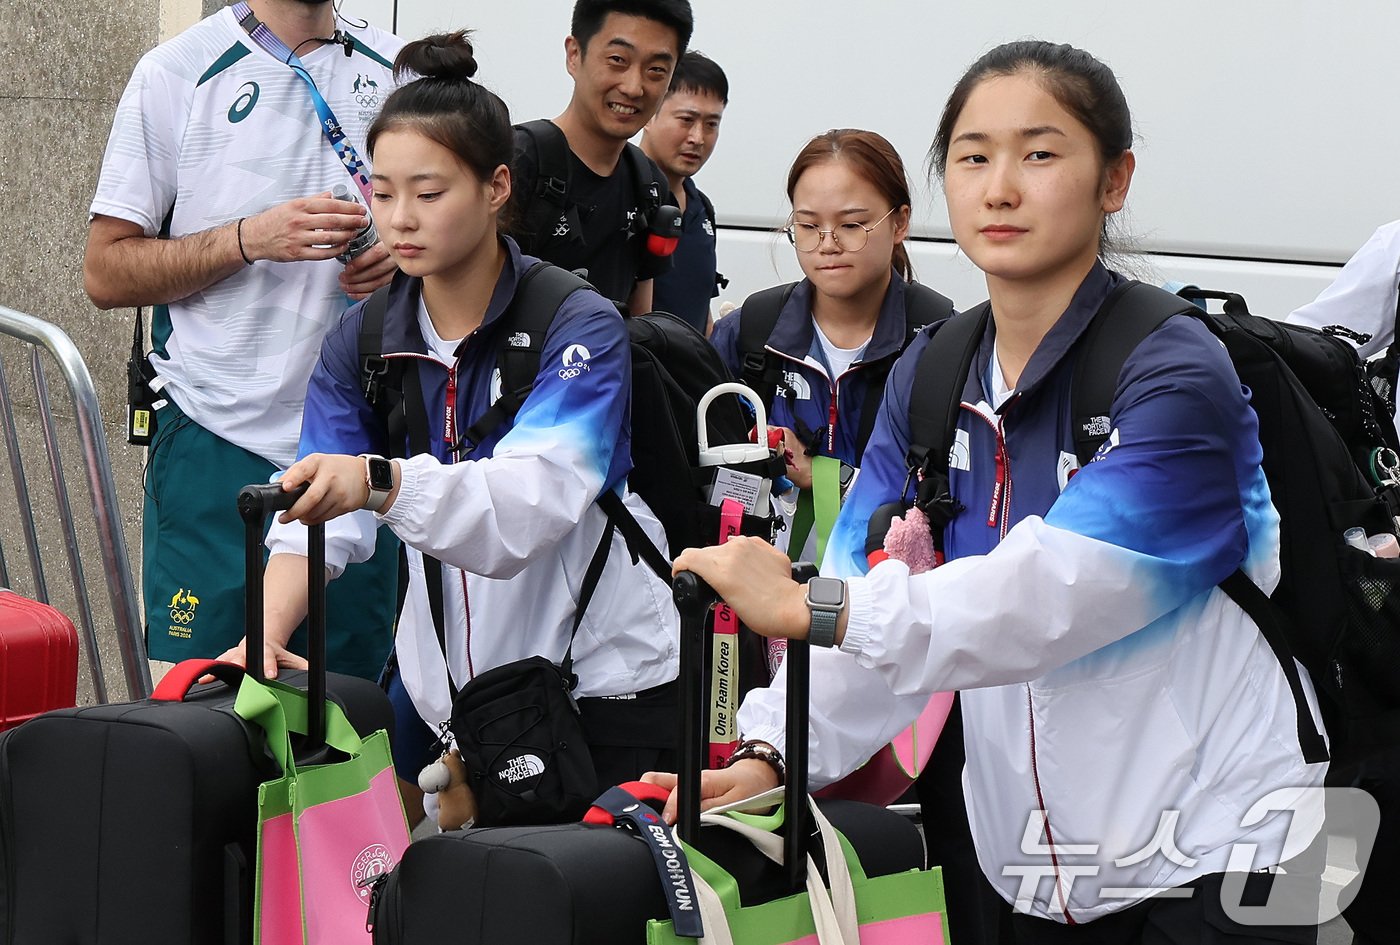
x=694, y=598
x=255, y=503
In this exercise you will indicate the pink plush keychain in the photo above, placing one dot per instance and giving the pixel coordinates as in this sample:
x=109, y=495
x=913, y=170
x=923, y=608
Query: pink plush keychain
x=910, y=540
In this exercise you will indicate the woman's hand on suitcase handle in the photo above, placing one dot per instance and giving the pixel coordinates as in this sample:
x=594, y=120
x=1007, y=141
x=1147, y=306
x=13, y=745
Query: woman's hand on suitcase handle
x=336, y=484
x=719, y=786
x=274, y=655
x=755, y=579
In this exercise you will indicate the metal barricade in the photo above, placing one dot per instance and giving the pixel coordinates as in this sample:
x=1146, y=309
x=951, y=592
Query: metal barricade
x=97, y=467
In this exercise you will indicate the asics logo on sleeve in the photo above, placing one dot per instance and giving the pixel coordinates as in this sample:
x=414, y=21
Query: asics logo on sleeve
x=575, y=361
x=248, y=94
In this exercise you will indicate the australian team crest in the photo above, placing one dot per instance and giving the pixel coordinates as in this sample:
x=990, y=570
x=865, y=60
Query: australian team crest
x=367, y=96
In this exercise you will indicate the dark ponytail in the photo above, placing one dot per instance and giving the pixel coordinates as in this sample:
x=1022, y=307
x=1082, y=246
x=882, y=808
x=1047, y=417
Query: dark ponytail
x=446, y=106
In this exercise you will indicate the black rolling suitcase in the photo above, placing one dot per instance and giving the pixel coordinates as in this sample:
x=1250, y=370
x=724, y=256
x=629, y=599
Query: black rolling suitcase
x=575, y=884
x=135, y=823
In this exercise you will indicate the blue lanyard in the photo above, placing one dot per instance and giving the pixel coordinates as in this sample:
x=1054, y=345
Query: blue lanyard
x=330, y=125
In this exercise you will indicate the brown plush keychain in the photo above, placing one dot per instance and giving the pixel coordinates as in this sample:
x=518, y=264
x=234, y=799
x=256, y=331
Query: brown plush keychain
x=447, y=778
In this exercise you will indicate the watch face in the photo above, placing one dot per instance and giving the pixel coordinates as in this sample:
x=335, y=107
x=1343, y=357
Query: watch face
x=381, y=475
x=826, y=592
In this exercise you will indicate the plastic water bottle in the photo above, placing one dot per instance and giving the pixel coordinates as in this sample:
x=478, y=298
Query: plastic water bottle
x=362, y=240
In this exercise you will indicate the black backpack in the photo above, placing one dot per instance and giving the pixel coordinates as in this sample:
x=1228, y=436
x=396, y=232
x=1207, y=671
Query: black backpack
x=1384, y=371
x=673, y=366
x=540, y=208
x=762, y=370
x=1336, y=609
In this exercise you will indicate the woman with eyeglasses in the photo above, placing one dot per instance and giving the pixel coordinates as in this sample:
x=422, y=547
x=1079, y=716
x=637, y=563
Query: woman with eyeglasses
x=818, y=351
x=1134, y=771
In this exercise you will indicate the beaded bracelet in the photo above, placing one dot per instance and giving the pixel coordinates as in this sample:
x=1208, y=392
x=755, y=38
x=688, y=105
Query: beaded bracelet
x=762, y=751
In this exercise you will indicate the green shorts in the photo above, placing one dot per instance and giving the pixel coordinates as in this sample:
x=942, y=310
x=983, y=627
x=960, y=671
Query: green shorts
x=192, y=573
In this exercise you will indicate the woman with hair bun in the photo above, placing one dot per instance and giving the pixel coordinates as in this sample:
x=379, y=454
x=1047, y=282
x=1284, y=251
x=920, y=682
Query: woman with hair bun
x=510, y=523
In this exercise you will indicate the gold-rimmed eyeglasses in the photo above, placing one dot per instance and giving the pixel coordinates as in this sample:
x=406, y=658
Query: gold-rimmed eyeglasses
x=850, y=237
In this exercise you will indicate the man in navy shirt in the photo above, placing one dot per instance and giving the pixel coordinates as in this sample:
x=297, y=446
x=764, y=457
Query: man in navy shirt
x=680, y=139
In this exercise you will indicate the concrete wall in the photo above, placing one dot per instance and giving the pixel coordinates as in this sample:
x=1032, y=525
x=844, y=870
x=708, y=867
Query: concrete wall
x=65, y=64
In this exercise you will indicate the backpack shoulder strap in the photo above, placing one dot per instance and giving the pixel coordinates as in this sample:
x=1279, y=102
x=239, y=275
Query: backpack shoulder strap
x=709, y=206
x=923, y=306
x=1274, y=626
x=720, y=281
x=381, y=379
x=650, y=188
x=549, y=197
x=934, y=401
x=1130, y=313
x=757, y=318
x=522, y=329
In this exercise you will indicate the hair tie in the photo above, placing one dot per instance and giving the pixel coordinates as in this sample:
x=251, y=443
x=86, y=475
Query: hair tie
x=241, y=251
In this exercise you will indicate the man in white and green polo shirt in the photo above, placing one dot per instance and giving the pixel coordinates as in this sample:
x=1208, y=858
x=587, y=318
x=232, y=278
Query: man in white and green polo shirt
x=213, y=207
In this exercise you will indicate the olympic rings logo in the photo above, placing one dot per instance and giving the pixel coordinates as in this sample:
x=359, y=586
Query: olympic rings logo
x=570, y=372
x=182, y=616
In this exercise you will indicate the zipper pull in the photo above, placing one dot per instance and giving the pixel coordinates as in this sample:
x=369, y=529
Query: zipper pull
x=997, y=489
x=1342, y=331
x=376, y=889
x=449, y=424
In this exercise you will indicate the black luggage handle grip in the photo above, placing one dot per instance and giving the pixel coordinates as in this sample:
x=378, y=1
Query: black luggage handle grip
x=255, y=503
x=694, y=598
x=261, y=499
x=1234, y=302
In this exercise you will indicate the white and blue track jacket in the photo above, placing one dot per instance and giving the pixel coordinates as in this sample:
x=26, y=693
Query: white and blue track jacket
x=1106, y=681
x=514, y=525
x=810, y=402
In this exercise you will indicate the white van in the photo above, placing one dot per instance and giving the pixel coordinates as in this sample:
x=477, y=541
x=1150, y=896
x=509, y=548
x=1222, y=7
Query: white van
x=1267, y=148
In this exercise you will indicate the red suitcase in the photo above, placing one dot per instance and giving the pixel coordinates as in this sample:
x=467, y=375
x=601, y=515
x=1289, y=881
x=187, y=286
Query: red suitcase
x=38, y=660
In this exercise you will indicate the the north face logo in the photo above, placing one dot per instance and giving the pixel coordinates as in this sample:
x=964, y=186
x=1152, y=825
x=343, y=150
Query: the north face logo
x=797, y=384
x=1096, y=426
x=518, y=340
x=521, y=767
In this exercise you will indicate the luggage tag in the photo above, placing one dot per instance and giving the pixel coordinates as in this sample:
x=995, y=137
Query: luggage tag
x=747, y=489
x=626, y=806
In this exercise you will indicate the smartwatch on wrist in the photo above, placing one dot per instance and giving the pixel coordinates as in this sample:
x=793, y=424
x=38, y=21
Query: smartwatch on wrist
x=826, y=598
x=379, y=476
